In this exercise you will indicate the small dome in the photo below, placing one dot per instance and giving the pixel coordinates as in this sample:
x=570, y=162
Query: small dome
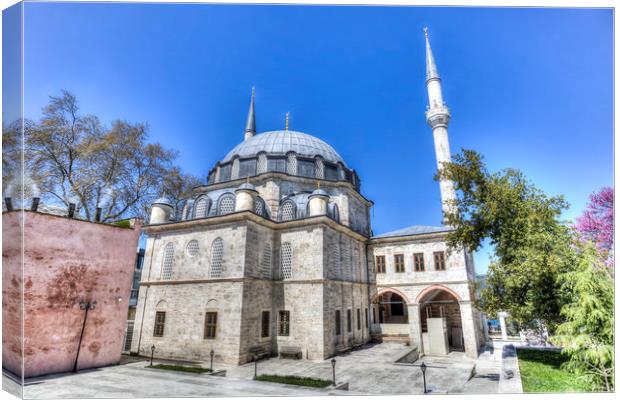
x=247, y=186
x=319, y=192
x=282, y=142
x=163, y=200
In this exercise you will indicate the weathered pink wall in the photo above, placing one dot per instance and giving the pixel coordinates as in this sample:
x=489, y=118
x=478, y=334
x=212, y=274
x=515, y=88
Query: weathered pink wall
x=65, y=261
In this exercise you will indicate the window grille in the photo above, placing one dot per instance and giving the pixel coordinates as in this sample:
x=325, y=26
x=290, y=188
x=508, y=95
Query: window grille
x=418, y=262
x=234, y=172
x=265, y=324
x=291, y=164
x=201, y=208
x=319, y=168
x=399, y=263
x=259, y=206
x=168, y=261
x=192, y=248
x=349, y=328
x=338, y=322
x=380, y=264
x=128, y=336
x=261, y=166
x=346, y=261
x=287, y=211
x=210, y=325
x=284, y=323
x=337, y=262
x=217, y=253
x=226, y=204
x=286, y=261
x=265, y=264
x=160, y=322
x=440, y=261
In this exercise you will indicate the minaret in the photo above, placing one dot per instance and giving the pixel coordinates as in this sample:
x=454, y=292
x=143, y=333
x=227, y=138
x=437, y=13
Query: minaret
x=438, y=117
x=250, y=125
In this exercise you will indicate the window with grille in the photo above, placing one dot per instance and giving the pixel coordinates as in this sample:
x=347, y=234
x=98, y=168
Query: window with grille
x=201, y=208
x=265, y=262
x=286, y=261
x=291, y=164
x=264, y=324
x=160, y=322
x=217, y=254
x=399, y=263
x=167, y=262
x=380, y=264
x=440, y=261
x=418, y=262
x=287, y=211
x=261, y=166
x=335, y=213
x=226, y=204
x=349, y=329
x=192, y=248
x=259, y=206
x=210, y=325
x=284, y=323
x=359, y=319
x=338, y=328
x=337, y=261
x=319, y=168
x=346, y=261
x=234, y=172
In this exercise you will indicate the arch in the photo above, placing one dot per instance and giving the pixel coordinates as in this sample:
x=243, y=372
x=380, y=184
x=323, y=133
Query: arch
x=161, y=305
x=259, y=206
x=392, y=290
x=432, y=288
x=288, y=210
x=226, y=204
x=211, y=303
x=201, y=207
x=217, y=257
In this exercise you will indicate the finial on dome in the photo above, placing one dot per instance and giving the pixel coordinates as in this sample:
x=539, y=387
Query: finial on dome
x=286, y=122
x=250, y=125
x=426, y=31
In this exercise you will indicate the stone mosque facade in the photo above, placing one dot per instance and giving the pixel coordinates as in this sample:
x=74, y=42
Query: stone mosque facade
x=274, y=256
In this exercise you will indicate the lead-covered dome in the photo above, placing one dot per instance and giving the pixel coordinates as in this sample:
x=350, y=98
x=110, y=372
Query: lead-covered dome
x=283, y=142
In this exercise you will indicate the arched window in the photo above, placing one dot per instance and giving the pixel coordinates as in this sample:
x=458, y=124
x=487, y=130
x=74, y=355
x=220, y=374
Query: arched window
x=192, y=248
x=335, y=213
x=265, y=262
x=167, y=261
x=217, y=256
x=261, y=166
x=291, y=164
x=259, y=206
x=201, y=207
x=286, y=261
x=226, y=204
x=319, y=167
x=287, y=211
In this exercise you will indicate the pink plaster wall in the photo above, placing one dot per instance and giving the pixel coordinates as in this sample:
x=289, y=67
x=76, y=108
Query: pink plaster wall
x=65, y=261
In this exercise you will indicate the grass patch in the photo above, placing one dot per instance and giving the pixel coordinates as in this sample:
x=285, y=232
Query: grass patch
x=541, y=372
x=181, y=368
x=294, y=380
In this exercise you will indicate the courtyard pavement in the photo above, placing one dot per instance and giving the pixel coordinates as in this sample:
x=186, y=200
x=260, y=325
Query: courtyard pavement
x=371, y=370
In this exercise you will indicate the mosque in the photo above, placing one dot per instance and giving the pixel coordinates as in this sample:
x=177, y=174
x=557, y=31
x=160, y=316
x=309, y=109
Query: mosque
x=274, y=256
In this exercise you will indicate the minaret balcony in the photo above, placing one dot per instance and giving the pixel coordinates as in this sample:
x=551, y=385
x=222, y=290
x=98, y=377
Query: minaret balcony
x=438, y=116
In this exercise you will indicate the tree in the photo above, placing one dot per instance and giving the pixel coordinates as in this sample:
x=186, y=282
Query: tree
x=531, y=245
x=596, y=224
x=73, y=158
x=587, y=335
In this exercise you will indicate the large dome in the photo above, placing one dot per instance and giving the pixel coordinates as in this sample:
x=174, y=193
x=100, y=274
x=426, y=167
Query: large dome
x=282, y=142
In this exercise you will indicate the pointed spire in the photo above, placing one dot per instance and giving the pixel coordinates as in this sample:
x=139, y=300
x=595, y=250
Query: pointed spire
x=250, y=126
x=431, y=67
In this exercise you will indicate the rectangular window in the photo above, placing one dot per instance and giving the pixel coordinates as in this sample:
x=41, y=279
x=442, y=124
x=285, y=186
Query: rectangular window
x=264, y=324
x=380, y=261
x=399, y=263
x=284, y=321
x=374, y=316
x=366, y=315
x=160, y=321
x=440, y=261
x=359, y=319
x=418, y=262
x=210, y=325
x=349, y=321
x=338, y=322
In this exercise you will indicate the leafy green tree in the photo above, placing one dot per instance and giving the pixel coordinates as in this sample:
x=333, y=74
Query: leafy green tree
x=587, y=334
x=531, y=245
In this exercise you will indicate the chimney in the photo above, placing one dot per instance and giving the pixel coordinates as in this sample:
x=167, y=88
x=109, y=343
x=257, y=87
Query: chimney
x=35, y=204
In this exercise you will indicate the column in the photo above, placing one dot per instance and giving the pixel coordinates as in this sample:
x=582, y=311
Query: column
x=469, y=329
x=415, y=327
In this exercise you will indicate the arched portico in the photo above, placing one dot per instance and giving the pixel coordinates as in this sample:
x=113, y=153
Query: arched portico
x=390, y=315
x=440, y=314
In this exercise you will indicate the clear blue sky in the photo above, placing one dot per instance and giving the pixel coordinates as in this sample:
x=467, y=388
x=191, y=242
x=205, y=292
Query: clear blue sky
x=528, y=88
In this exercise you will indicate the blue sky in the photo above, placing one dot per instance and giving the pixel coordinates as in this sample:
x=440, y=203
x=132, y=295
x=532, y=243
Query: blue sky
x=528, y=88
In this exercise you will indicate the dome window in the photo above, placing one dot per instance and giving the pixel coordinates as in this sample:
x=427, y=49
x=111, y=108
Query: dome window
x=286, y=261
x=261, y=166
x=217, y=256
x=201, y=209
x=167, y=262
x=291, y=164
x=319, y=168
x=226, y=204
x=287, y=211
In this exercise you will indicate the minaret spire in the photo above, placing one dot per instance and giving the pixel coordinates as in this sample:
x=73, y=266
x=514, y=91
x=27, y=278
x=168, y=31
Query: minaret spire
x=250, y=126
x=438, y=117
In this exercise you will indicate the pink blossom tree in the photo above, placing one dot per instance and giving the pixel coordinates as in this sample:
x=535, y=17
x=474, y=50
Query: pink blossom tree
x=596, y=224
